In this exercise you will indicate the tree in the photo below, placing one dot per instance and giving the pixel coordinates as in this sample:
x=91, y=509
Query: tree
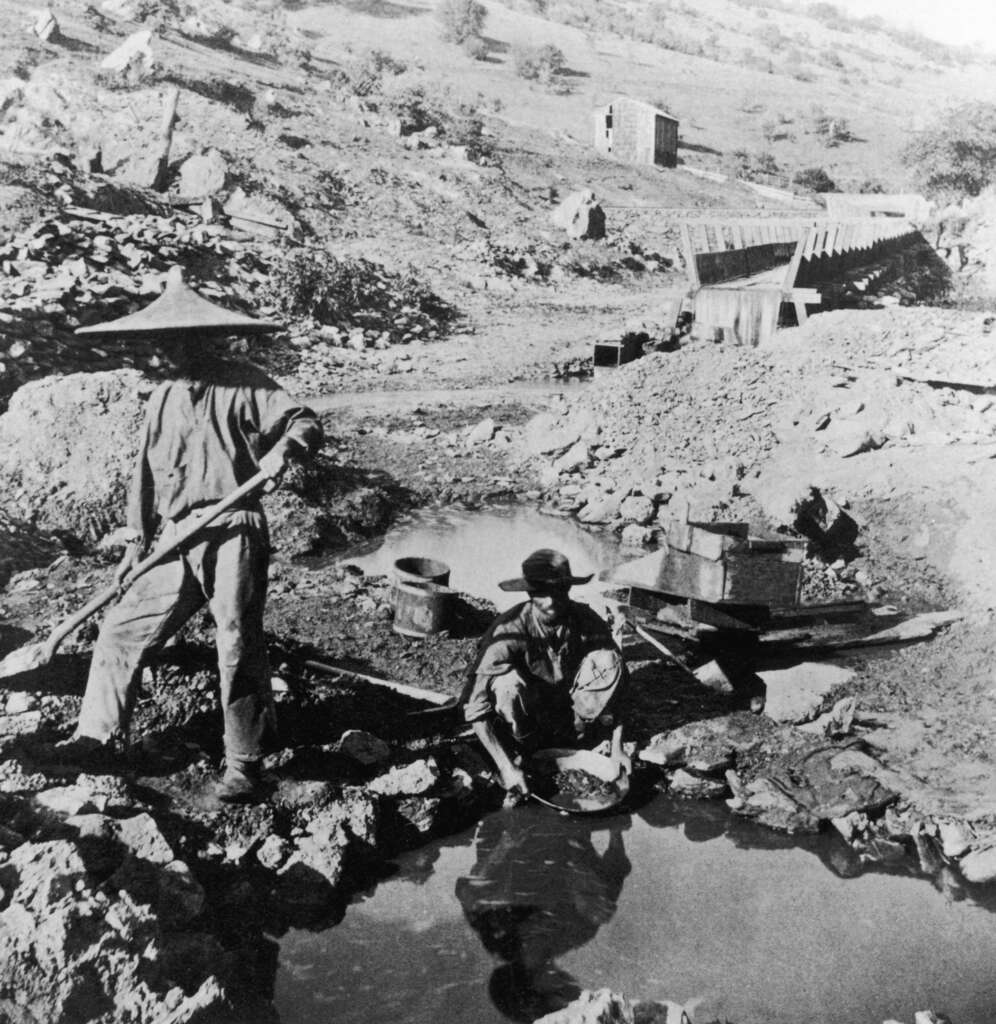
x=540, y=63
x=461, y=19
x=815, y=179
x=956, y=156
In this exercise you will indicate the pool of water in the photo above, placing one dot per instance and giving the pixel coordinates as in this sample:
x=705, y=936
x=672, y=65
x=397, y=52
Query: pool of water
x=678, y=901
x=485, y=546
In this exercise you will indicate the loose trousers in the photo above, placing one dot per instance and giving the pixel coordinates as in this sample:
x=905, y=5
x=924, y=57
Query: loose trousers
x=530, y=717
x=226, y=568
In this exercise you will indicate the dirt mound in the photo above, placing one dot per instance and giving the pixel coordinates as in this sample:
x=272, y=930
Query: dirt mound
x=68, y=444
x=868, y=405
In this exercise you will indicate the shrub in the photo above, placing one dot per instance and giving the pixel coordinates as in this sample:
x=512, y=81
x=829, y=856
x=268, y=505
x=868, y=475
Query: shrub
x=537, y=63
x=415, y=107
x=475, y=47
x=366, y=74
x=815, y=179
x=956, y=156
x=461, y=19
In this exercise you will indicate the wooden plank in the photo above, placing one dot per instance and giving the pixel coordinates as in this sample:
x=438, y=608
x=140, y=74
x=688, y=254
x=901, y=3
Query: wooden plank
x=690, y=268
x=792, y=270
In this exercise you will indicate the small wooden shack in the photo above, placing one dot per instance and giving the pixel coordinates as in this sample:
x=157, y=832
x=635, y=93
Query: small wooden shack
x=636, y=132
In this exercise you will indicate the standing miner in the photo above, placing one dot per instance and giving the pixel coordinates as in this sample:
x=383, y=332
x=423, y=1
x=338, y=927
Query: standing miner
x=209, y=428
x=547, y=671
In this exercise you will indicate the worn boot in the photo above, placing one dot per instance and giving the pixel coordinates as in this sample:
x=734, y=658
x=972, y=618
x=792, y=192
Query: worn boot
x=85, y=753
x=241, y=784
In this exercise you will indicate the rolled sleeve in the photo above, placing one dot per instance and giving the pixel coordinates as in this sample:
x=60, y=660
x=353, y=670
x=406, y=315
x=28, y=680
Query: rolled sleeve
x=497, y=659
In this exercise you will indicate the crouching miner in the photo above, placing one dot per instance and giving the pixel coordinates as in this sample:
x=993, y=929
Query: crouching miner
x=210, y=427
x=547, y=671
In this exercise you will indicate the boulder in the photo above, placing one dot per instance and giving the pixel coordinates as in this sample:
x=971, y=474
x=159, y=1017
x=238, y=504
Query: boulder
x=580, y=216
x=600, y=510
x=634, y=536
x=979, y=865
x=697, y=787
x=482, y=432
x=576, y=457
x=769, y=804
x=273, y=851
x=363, y=747
x=203, y=175
x=257, y=214
x=141, y=835
x=137, y=46
x=601, y=1006
x=639, y=510
x=39, y=875
x=412, y=779
x=68, y=800
x=797, y=694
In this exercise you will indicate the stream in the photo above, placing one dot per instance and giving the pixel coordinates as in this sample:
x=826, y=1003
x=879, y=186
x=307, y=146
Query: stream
x=678, y=901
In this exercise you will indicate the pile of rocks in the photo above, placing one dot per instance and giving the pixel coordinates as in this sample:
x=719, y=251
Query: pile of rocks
x=701, y=424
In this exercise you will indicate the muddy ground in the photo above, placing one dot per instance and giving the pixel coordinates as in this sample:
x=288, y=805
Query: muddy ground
x=919, y=793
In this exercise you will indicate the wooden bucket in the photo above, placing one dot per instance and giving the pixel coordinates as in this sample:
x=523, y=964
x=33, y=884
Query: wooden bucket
x=421, y=598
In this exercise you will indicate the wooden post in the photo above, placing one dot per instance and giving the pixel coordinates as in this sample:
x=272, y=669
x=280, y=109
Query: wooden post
x=690, y=267
x=160, y=182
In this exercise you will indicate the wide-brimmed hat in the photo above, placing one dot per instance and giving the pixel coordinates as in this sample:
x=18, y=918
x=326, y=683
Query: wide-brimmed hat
x=179, y=310
x=544, y=568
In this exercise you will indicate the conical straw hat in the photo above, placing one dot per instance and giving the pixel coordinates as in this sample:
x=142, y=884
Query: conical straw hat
x=179, y=309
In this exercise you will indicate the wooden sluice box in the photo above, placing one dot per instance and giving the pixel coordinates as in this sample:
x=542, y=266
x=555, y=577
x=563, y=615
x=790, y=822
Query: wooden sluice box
x=720, y=563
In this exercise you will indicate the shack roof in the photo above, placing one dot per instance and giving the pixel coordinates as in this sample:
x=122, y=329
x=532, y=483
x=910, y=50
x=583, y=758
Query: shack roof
x=639, y=103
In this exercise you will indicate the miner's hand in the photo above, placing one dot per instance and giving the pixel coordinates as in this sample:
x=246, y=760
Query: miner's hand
x=273, y=464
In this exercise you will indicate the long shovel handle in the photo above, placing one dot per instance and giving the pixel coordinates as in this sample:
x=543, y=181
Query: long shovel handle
x=106, y=596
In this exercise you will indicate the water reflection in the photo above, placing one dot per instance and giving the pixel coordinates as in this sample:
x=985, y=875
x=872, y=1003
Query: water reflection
x=538, y=889
x=485, y=546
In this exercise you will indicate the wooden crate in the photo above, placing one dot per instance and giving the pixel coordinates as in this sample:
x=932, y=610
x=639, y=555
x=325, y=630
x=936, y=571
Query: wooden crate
x=720, y=563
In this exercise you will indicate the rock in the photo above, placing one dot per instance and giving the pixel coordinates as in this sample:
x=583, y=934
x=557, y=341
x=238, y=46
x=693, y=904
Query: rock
x=9, y=839
x=796, y=694
x=14, y=780
x=601, y=1006
x=18, y=725
x=637, y=510
x=979, y=865
x=576, y=457
x=257, y=214
x=708, y=746
x=580, y=216
x=141, y=835
x=106, y=792
x=68, y=800
x=273, y=851
x=363, y=747
x=711, y=676
x=544, y=434
x=39, y=875
x=838, y=721
x=634, y=536
x=482, y=432
x=662, y=1012
x=203, y=175
x=407, y=780
x=18, y=702
x=600, y=510
x=181, y=896
x=137, y=46
x=956, y=838
x=771, y=806
x=46, y=27
x=698, y=787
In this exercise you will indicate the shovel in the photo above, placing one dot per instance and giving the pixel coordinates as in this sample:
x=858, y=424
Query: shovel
x=33, y=656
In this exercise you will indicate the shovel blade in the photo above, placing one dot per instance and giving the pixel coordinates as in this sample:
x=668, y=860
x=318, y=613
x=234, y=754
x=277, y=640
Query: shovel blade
x=24, y=659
